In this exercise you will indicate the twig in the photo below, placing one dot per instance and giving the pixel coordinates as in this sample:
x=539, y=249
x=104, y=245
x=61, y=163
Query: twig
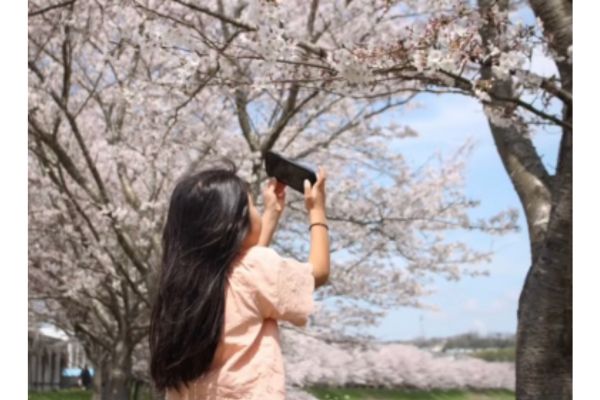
x=49, y=8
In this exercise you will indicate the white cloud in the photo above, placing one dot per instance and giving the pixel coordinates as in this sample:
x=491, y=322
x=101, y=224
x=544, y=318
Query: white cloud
x=513, y=295
x=471, y=305
x=444, y=124
x=541, y=64
x=480, y=327
x=498, y=305
x=439, y=316
x=507, y=301
x=451, y=121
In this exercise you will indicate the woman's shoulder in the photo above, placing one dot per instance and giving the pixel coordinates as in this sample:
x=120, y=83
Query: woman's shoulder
x=260, y=257
x=260, y=253
x=256, y=265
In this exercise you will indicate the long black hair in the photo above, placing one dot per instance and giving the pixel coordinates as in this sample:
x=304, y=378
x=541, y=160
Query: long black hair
x=207, y=222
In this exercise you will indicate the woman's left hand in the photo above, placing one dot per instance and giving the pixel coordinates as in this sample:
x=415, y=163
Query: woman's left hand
x=274, y=197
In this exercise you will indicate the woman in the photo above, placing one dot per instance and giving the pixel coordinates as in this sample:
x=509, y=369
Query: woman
x=214, y=332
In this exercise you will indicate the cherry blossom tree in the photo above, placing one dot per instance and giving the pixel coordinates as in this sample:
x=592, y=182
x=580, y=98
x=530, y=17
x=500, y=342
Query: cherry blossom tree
x=125, y=97
x=477, y=50
x=314, y=362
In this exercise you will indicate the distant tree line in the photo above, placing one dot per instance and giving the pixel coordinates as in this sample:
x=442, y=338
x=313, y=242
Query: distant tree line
x=470, y=340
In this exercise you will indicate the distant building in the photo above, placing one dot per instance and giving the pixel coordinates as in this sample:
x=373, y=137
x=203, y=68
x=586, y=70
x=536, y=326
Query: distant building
x=49, y=355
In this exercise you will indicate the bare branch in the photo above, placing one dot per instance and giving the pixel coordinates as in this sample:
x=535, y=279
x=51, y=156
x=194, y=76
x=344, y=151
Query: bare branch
x=290, y=109
x=49, y=8
x=218, y=15
x=314, y=5
x=241, y=100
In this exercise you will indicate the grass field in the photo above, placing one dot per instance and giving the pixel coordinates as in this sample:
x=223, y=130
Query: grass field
x=76, y=394
x=388, y=394
x=70, y=394
x=507, y=354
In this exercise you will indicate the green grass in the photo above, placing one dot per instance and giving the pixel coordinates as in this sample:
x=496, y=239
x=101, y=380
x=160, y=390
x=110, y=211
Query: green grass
x=390, y=394
x=506, y=354
x=65, y=394
x=78, y=394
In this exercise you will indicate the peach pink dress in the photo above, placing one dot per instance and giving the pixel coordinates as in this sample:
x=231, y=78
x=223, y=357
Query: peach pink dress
x=263, y=287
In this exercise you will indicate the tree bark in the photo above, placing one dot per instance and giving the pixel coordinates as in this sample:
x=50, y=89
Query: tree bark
x=113, y=378
x=544, y=332
x=544, y=335
x=531, y=180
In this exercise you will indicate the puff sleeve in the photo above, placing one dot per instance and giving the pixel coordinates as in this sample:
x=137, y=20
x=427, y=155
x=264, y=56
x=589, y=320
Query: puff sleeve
x=284, y=286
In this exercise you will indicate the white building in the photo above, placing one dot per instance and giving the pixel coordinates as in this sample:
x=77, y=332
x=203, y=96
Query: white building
x=50, y=352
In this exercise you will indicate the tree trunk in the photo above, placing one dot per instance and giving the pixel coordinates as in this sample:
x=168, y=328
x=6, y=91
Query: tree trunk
x=113, y=377
x=544, y=336
x=118, y=385
x=544, y=333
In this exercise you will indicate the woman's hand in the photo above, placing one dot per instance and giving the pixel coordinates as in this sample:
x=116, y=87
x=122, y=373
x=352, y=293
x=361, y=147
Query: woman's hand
x=274, y=197
x=314, y=196
x=314, y=200
x=274, y=200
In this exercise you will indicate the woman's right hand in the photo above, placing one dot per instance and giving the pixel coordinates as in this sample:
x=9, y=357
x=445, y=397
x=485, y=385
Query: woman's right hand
x=314, y=196
x=314, y=200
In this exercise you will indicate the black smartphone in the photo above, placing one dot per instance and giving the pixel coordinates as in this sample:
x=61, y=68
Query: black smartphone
x=288, y=172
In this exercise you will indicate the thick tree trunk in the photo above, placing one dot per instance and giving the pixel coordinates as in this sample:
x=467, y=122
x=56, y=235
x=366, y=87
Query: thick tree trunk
x=544, y=337
x=118, y=385
x=113, y=377
x=544, y=333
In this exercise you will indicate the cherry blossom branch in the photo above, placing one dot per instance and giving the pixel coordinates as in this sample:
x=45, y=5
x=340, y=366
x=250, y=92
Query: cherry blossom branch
x=49, y=8
x=217, y=15
x=241, y=101
x=62, y=184
x=290, y=109
x=464, y=83
x=62, y=156
x=322, y=53
x=349, y=125
x=103, y=193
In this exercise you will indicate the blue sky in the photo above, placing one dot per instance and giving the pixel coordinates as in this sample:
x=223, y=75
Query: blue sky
x=482, y=304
